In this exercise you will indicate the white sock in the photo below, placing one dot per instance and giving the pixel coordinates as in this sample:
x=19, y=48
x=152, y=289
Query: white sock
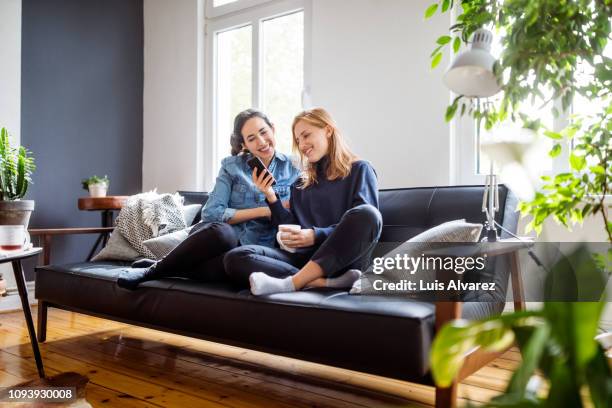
x=345, y=280
x=262, y=284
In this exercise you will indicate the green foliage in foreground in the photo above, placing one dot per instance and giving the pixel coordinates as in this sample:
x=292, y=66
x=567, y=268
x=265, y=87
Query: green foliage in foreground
x=544, y=42
x=557, y=341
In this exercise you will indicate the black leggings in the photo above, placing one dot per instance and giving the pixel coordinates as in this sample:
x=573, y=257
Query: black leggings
x=348, y=246
x=200, y=255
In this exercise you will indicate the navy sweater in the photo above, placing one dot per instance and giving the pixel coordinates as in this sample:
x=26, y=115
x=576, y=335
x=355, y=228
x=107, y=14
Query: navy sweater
x=321, y=205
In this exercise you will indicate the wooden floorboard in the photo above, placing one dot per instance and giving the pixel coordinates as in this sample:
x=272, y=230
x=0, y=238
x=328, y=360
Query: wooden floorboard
x=129, y=366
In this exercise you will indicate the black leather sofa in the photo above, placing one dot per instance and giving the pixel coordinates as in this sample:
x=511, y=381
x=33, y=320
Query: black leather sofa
x=372, y=334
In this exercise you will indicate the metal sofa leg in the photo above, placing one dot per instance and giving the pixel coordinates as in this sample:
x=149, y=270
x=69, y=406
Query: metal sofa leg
x=41, y=333
x=447, y=397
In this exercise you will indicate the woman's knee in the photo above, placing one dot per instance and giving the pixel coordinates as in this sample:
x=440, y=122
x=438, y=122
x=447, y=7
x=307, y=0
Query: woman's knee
x=236, y=263
x=366, y=215
x=221, y=233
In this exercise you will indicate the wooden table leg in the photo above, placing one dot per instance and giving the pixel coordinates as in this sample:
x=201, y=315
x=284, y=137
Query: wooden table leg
x=23, y=294
x=518, y=292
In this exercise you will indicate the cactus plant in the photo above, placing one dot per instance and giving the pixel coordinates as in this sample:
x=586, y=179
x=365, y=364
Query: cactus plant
x=16, y=167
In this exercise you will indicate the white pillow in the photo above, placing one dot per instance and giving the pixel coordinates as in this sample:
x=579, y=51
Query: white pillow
x=117, y=249
x=162, y=245
x=450, y=232
x=190, y=212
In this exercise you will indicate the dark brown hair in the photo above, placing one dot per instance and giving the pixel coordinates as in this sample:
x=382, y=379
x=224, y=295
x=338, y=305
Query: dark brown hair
x=236, y=139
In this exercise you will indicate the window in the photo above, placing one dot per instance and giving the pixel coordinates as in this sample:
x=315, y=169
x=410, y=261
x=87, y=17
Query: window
x=216, y=8
x=255, y=59
x=469, y=164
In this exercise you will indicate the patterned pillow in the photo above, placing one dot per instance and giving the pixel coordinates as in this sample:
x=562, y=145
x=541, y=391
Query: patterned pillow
x=448, y=232
x=149, y=215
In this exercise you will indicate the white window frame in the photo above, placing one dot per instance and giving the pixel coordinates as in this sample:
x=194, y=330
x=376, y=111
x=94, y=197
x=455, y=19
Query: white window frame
x=254, y=13
x=212, y=11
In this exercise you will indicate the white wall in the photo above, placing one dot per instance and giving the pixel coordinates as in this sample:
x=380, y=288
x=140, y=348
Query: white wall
x=371, y=69
x=10, y=67
x=10, y=82
x=172, y=94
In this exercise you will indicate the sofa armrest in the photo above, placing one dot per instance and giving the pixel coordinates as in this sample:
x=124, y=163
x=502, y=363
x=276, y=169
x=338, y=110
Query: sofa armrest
x=45, y=235
x=69, y=231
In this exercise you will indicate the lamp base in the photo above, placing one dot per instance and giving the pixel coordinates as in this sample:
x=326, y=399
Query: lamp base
x=491, y=235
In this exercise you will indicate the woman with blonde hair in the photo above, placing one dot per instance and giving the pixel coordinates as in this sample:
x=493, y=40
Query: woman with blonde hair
x=335, y=205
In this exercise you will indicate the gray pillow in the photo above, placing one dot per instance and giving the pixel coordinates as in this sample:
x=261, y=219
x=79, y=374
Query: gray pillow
x=162, y=245
x=448, y=232
x=190, y=212
x=117, y=249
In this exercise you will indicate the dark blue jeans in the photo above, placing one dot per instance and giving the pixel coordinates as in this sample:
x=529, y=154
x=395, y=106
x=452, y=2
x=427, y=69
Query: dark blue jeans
x=200, y=255
x=348, y=246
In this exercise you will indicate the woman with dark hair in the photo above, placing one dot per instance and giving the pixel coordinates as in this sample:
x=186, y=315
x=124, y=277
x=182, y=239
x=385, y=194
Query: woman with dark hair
x=331, y=226
x=236, y=212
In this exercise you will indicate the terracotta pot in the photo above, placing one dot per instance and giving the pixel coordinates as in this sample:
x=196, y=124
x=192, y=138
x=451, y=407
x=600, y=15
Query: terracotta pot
x=16, y=212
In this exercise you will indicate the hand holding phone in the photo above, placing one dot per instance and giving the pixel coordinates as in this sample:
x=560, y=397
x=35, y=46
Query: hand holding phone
x=256, y=163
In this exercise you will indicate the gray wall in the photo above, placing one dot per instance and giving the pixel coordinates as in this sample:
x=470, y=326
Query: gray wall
x=81, y=107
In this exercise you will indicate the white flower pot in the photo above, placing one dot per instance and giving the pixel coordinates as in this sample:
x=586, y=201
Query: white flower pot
x=98, y=190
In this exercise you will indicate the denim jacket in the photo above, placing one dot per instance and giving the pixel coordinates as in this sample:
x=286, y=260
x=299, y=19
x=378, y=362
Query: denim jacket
x=234, y=190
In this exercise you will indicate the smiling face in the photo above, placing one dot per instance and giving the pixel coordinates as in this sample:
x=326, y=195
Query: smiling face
x=312, y=141
x=258, y=138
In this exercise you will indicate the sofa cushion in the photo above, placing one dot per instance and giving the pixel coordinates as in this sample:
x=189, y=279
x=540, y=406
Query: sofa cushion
x=314, y=324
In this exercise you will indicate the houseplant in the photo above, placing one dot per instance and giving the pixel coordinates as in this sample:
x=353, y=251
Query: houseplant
x=16, y=167
x=97, y=186
x=557, y=341
x=545, y=43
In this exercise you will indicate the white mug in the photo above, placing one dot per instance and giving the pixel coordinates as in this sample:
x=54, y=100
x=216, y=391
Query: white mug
x=289, y=227
x=286, y=228
x=13, y=237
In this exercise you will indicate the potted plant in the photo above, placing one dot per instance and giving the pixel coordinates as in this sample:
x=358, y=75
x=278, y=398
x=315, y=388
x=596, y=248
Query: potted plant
x=97, y=186
x=16, y=167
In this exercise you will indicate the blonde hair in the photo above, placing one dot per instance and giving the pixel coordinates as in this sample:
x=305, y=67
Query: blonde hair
x=341, y=158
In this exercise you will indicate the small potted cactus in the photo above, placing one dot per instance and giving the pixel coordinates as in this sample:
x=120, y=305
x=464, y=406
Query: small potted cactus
x=97, y=186
x=16, y=167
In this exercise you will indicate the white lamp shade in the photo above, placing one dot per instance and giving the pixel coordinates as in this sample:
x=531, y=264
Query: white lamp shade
x=471, y=73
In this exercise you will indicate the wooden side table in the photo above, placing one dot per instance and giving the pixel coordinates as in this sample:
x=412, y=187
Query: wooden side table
x=15, y=258
x=106, y=205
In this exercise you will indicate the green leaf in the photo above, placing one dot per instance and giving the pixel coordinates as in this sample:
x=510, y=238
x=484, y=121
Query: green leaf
x=450, y=112
x=445, y=5
x=531, y=352
x=448, y=351
x=555, y=151
x=436, y=60
x=457, y=337
x=431, y=10
x=445, y=39
x=577, y=162
x=598, y=376
x=456, y=44
x=553, y=135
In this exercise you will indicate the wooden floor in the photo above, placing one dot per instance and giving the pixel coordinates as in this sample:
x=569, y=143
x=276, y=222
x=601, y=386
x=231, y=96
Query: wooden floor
x=130, y=366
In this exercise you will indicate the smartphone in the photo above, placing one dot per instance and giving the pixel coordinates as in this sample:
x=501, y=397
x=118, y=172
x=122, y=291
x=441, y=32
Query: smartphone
x=256, y=163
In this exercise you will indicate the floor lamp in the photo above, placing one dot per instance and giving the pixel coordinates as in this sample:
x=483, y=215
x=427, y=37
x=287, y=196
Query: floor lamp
x=471, y=75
